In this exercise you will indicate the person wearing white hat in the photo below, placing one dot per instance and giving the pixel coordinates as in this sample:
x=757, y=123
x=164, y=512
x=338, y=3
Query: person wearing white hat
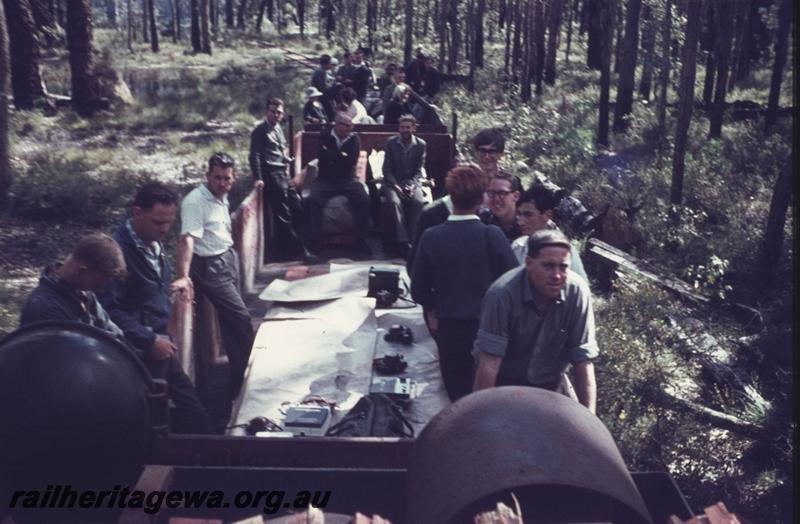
x=313, y=111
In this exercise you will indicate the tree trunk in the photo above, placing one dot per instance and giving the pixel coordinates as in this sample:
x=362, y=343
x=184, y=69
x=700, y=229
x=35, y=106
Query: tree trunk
x=539, y=34
x=742, y=10
x=111, y=13
x=781, y=51
x=130, y=25
x=648, y=46
x=455, y=42
x=240, y=14
x=301, y=14
x=260, y=15
x=5, y=171
x=145, y=23
x=772, y=246
x=663, y=78
x=26, y=77
x=570, y=18
x=507, y=55
x=597, y=34
x=229, y=13
x=708, y=43
x=686, y=98
x=177, y=20
x=197, y=46
x=205, y=38
x=553, y=29
x=517, y=52
x=409, y=35
x=85, y=96
x=723, y=51
x=529, y=51
x=605, y=19
x=745, y=52
x=213, y=17
x=480, y=12
x=618, y=40
x=442, y=32
x=626, y=82
x=153, y=29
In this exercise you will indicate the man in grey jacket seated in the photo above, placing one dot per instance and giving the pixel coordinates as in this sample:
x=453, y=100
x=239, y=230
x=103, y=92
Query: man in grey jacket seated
x=403, y=174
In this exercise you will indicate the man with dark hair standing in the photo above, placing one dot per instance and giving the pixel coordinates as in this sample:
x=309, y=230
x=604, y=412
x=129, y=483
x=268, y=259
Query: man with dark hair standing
x=338, y=153
x=269, y=162
x=403, y=173
x=455, y=264
x=206, y=259
x=140, y=304
x=535, y=321
x=322, y=78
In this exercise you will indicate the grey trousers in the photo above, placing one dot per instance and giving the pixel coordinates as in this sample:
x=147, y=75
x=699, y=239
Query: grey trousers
x=217, y=278
x=405, y=212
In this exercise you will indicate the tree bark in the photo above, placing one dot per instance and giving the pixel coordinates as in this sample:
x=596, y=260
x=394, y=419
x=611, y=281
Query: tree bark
x=177, y=20
x=781, y=51
x=605, y=19
x=111, y=13
x=553, y=29
x=772, y=246
x=507, y=55
x=529, y=51
x=455, y=40
x=597, y=33
x=153, y=29
x=520, y=6
x=723, y=51
x=409, y=34
x=742, y=11
x=708, y=42
x=570, y=19
x=626, y=83
x=26, y=78
x=663, y=79
x=301, y=14
x=229, y=13
x=85, y=96
x=686, y=98
x=618, y=39
x=197, y=46
x=205, y=37
x=5, y=171
x=480, y=12
x=130, y=25
x=539, y=34
x=145, y=23
x=648, y=46
x=240, y=14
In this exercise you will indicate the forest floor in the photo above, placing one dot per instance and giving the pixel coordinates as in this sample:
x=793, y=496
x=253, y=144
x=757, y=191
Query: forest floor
x=187, y=106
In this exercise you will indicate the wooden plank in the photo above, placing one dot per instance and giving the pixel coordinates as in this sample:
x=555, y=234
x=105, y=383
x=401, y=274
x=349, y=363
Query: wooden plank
x=153, y=478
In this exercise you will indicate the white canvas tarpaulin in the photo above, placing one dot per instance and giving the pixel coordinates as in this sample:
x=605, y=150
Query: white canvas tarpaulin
x=320, y=339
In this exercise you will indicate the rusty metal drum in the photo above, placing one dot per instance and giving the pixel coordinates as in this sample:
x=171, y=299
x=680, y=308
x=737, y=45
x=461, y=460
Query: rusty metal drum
x=554, y=455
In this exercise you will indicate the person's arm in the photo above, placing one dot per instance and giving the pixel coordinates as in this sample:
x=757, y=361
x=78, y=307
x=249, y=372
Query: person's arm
x=486, y=372
x=135, y=332
x=585, y=384
x=421, y=282
x=183, y=284
x=389, y=178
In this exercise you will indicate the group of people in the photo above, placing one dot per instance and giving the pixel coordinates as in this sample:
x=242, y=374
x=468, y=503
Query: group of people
x=399, y=91
x=297, y=222
x=503, y=291
x=124, y=284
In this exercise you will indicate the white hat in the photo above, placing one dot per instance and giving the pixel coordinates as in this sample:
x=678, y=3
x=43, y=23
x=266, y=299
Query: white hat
x=334, y=61
x=311, y=92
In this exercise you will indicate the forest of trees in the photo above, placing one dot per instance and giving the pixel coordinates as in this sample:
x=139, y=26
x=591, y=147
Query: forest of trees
x=621, y=36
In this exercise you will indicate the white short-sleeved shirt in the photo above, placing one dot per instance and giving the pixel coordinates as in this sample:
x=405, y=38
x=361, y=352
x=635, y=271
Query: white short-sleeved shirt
x=207, y=219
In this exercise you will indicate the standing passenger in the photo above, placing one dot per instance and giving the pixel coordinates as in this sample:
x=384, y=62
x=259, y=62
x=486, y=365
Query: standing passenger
x=455, y=264
x=206, y=258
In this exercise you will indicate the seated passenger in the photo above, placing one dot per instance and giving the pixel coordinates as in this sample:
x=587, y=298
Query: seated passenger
x=422, y=76
x=403, y=173
x=535, y=213
x=322, y=78
x=503, y=193
x=386, y=77
x=357, y=75
x=399, y=105
x=313, y=111
x=387, y=93
x=347, y=104
x=337, y=155
x=455, y=264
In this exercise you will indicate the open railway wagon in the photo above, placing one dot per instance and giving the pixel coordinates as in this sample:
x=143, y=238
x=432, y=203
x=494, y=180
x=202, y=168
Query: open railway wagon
x=556, y=458
x=336, y=228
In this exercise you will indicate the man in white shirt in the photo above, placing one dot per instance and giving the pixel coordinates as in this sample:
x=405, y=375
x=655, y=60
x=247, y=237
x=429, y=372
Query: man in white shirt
x=206, y=259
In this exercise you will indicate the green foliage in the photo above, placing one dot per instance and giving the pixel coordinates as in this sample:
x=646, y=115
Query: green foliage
x=70, y=186
x=709, y=277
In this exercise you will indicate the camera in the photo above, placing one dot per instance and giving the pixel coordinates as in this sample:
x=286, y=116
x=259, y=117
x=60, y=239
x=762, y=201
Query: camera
x=384, y=285
x=399, y=333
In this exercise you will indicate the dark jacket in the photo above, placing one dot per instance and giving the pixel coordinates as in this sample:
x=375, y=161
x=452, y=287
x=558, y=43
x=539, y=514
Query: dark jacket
x=53, y=299
x=266, y=154
x=432, y=215
x=311, y=112
x=337, y=165
x=512, y=233
x=140, y=304
x=455, y=264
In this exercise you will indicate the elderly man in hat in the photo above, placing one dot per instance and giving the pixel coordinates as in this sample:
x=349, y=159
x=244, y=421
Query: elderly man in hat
x=313, y=111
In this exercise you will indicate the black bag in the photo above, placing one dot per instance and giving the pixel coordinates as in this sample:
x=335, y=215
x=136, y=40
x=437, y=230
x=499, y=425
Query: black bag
x=374, y=415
